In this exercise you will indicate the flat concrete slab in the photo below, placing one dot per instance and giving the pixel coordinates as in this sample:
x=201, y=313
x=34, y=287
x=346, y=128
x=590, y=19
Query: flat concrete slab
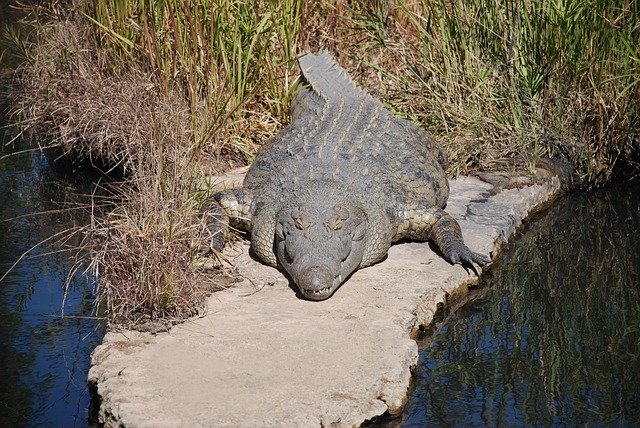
x=262, y=356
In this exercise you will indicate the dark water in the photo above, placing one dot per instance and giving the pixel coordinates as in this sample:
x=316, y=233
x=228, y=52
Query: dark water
x=44, y=356
x=554, y=338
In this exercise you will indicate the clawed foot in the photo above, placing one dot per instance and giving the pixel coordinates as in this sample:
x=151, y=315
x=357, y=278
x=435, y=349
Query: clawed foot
x=447, y=236
x=461, y=254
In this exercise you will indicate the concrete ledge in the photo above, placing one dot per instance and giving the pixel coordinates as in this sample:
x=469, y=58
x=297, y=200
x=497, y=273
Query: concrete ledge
x=263, y=357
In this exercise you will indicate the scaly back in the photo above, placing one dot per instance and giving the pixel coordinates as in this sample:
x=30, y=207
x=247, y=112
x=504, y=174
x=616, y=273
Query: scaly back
x=341, y=133
x=341, y=119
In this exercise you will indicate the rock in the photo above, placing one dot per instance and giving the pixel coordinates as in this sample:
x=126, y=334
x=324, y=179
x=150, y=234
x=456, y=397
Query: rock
x=263, y=356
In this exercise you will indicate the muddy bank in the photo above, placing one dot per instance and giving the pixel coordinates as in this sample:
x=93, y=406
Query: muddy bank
x=261, y=356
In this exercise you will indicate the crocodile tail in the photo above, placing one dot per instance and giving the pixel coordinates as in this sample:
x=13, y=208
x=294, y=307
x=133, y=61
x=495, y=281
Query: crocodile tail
x=326, y=78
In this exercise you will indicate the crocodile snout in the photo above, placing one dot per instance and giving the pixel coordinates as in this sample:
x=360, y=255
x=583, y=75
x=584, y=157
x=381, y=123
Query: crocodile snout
x=317, y=283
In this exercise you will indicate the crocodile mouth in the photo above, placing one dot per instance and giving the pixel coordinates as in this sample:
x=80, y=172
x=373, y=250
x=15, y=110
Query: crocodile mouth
x=321, y=293
x=317, y=288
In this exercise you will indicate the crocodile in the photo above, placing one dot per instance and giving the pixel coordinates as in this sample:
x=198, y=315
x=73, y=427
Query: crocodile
x=333, y=190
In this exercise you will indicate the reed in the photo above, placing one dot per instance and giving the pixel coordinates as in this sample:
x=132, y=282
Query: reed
x=174, y=90
x=221, y=52
x=493, y=80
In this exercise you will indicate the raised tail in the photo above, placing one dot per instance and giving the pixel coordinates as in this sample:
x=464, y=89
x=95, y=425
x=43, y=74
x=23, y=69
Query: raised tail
x=327, y=79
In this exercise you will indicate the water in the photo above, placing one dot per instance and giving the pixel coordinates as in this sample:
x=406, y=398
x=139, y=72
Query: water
x=554, y=337
x=44, y=357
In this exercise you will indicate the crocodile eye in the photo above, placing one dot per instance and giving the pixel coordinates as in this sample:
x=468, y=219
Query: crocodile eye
x=334, y=223
x=300, y=219
x=301, y=223
x=298, y=223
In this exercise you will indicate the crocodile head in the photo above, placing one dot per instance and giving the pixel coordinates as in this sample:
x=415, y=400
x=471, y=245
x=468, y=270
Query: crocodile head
x=320, y=245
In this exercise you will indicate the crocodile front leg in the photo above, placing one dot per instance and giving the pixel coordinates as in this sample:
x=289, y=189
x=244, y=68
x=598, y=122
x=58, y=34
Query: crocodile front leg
x=224, y=209
x=438, y=226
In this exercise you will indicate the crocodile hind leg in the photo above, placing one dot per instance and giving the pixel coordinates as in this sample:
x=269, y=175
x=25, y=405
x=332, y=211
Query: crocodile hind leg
x=438, y=226
x=224, y=209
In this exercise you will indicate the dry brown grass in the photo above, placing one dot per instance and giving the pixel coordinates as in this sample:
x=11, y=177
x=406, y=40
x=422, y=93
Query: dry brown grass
x=68, y=100
x=169, y=114
x=143, y=252
x=143, y=246
x=460, y=76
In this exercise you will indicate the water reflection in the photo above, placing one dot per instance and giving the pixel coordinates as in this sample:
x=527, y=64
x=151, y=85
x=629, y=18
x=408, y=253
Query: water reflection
x=555, y=338
x=44, y=357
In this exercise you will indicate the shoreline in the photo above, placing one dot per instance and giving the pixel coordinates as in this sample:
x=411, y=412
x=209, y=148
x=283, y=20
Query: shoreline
x=261, y=356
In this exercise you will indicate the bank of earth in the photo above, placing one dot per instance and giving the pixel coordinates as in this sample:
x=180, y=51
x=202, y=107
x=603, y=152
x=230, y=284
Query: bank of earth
x=263, y=356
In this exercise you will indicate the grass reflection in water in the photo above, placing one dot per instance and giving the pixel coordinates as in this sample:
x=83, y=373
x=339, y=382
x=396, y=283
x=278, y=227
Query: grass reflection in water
x=44, y=356
x=554, y=338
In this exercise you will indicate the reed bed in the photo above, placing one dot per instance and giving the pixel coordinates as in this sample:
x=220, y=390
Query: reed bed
x=492, y=80
x=172, y=91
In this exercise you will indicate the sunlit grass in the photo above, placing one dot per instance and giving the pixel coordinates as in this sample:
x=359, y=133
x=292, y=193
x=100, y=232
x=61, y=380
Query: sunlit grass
x=497, y=79
x=171, y=91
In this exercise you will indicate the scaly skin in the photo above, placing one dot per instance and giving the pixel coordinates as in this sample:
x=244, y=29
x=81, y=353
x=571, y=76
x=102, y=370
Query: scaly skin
x=332, y=191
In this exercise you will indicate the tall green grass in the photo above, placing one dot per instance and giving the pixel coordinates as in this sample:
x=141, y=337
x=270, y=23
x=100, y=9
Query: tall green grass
x=493, y=79
x=548, y=78
x=232, y=48
x=176, y=89
x=577, y=63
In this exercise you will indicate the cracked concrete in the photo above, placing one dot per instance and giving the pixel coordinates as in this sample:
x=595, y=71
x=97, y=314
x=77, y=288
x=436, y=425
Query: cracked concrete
x=261, y=356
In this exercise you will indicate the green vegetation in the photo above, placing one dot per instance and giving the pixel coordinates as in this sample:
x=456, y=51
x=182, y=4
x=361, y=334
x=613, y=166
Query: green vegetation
x=544, y=78
x=170, y=91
